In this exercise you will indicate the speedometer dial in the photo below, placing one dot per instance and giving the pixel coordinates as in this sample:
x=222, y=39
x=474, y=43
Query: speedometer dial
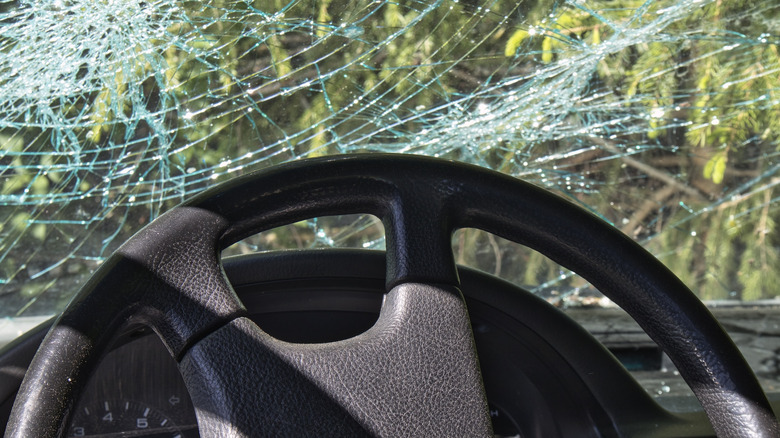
x=136, y=391
x=126, y=419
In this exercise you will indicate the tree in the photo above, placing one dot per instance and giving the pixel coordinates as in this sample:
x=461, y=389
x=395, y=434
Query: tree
x=658, y=116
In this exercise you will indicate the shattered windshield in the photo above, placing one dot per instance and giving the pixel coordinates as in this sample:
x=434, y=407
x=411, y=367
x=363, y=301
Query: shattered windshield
x=659, y=116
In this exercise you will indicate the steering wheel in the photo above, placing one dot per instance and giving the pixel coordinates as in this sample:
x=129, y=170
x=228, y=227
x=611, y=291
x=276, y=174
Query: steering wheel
x=416, y=371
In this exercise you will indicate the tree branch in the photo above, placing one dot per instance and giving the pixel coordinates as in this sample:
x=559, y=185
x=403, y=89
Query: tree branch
x=649, y=170
x=648, y=207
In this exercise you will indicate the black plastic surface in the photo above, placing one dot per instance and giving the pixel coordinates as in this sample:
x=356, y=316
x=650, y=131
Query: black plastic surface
x=544, y=376
x=387, y=390
x=441, y=197
x=541, y=369
x=420, y=201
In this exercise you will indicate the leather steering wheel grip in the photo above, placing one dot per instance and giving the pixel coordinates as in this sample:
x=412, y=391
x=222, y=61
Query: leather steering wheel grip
x=414, y=373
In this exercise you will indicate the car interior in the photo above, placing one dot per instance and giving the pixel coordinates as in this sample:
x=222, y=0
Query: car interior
x=414, y=371
x=506, y=218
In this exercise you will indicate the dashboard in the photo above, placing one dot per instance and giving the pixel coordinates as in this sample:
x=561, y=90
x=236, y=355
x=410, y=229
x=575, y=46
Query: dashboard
x=543, y=374
x=136, y=391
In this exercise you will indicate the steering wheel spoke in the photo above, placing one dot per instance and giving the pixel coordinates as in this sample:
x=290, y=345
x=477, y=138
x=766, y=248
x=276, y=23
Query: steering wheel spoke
x=414, y=373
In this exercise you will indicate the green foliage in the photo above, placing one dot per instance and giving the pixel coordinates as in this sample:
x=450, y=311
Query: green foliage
x=233, y=84
x=715, y=168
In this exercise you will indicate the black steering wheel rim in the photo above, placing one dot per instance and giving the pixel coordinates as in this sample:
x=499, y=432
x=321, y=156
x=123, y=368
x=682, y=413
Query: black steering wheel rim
x=421, y=201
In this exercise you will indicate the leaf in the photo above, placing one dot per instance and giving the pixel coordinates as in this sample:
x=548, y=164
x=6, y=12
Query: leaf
x=16, y=182
x=596, y=36
x=715, y=168
x=40, y=185
x=20, y=221
x=547, y=54
x=513, y=43
x=11, y=143
x=652, y=133
x=39, y=232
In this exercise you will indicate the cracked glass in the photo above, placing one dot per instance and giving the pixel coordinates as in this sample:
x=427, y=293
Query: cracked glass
x=661, y=117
